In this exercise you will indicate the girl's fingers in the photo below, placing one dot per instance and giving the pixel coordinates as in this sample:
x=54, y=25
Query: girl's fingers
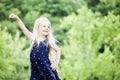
x=53, y=67
x=11, y=15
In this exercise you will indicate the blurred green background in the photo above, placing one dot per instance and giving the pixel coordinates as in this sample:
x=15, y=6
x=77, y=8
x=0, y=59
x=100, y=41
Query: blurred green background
x=88, y=32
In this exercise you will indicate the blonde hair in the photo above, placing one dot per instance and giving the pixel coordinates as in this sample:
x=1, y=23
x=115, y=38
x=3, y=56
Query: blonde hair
x=50, y=38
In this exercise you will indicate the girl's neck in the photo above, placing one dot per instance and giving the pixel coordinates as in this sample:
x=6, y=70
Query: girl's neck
x=42, y=38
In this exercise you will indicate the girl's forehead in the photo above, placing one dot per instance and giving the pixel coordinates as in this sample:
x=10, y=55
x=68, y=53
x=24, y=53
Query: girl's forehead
x=45, y=23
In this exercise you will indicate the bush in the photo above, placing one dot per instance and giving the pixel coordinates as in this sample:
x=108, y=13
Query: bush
x=89, y=52
x=14, y=57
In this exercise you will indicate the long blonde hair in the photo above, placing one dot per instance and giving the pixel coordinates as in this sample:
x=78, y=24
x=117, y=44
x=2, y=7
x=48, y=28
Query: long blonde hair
x=50, y=38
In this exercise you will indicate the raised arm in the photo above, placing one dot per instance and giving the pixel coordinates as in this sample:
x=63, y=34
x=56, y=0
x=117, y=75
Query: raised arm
x=26, y=32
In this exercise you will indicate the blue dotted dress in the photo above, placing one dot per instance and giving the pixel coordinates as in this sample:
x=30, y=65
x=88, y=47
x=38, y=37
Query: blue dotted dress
x=40, y=64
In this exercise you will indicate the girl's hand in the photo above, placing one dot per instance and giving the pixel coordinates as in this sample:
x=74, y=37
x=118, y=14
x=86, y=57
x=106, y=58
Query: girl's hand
x=54, y=66
x=13, y=16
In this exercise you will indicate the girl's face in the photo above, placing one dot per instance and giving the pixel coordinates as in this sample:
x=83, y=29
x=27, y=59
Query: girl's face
x=44, y=29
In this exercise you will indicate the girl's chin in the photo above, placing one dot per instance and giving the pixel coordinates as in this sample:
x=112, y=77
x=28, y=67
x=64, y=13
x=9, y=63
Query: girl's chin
x=45, y=33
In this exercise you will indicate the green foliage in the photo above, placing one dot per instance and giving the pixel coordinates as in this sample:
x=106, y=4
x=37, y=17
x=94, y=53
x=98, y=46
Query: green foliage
x=9, y=26
x=87, y=54
x=30, y=19
x=4, y=61
x=14, y=57
x=14, y=10
x=6, y=6
x=104, y=6
x=53, y=7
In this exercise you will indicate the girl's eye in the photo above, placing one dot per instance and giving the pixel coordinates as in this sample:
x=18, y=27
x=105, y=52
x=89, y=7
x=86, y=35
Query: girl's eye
x=48, y=26
x=44, y=26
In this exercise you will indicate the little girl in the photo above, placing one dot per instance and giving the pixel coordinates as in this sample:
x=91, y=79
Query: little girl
x=43, y=47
